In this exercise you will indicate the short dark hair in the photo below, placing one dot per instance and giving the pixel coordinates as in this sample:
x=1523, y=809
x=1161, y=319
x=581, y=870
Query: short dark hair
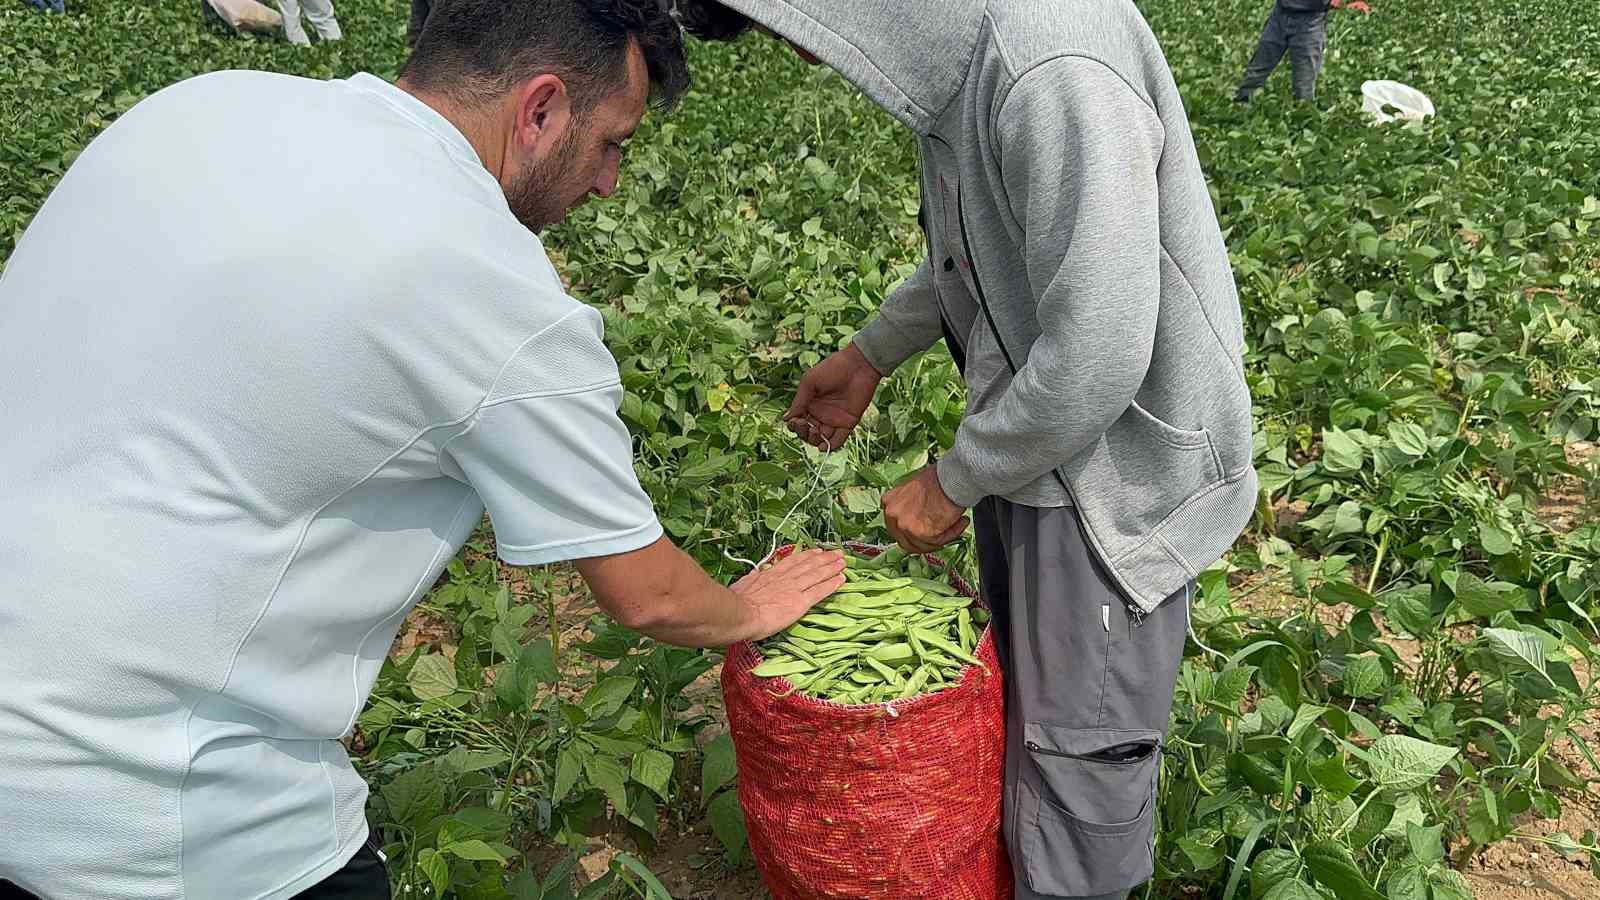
x=709, y=20
x=479, y=49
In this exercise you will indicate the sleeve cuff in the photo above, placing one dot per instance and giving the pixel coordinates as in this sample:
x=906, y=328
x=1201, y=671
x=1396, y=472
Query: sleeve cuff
x=884, y=345
x=958, y=480
x=584, y=548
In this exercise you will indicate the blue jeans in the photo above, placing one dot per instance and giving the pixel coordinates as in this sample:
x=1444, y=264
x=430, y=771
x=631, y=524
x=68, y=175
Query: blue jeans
x=1303, y=36
x=49, y=5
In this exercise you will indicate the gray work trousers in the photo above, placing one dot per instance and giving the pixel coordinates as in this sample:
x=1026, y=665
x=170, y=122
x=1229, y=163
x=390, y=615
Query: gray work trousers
x=1088, y=699
x=1303, y=36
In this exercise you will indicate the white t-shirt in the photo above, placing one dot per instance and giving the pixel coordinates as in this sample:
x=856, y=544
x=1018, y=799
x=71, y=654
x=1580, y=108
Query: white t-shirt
x=266, y=355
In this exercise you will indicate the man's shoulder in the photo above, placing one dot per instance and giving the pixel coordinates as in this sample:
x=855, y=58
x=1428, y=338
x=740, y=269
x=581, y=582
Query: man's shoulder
x=1030, y=33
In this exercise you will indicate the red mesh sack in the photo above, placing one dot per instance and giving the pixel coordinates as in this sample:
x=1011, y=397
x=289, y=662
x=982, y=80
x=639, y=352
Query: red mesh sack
x=896, y=800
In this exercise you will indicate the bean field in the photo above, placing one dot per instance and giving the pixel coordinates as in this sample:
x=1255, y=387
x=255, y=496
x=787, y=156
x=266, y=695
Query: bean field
x=1391, y=686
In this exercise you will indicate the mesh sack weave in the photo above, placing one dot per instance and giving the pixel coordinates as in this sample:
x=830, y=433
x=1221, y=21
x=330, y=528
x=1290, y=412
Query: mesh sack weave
x=896, y=800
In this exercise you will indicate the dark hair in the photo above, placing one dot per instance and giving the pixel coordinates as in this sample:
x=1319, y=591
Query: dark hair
x=475, y=50
x=708, y=20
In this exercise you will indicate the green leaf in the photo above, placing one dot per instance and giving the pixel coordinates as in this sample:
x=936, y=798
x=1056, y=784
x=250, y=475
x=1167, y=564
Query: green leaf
x=1409, y=438
x=718, y=768
x=1496, y=541
x=862, y=500
x=1410, y=882
x=770, y=474
x=607, y=696
x=1232, y=685
x=1364, y=676
x=727, y=823
x=1293, y=890
x=436, y=867
x=432, y=677
x=1341, y=453
x=1347, y=520
x=536, y=664
x=1448, y=884
x=1485, y=600
x=1401, y=763
x=469, y=671
x=1411, y=609
x=506, y=640
x=1272, y=867
x=1370, y=823
x=1201, y=856
x=1518, y=647
x=1334, y=868
x=461, y=760
x=653, y=769
x=474, y=850
x=1333, y=776
x=1427, y=843
x=415, y=796
x=569, y=765
x=1336, y=592
x=607, y=774
x=1408, y=812
x=1304, y=717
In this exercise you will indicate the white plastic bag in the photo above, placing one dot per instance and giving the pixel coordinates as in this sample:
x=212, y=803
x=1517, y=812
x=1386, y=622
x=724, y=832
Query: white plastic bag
x=247, y=15
x=1409, y=105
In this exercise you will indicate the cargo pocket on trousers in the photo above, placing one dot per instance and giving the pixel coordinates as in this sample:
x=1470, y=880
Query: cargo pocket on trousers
x=1094, y=827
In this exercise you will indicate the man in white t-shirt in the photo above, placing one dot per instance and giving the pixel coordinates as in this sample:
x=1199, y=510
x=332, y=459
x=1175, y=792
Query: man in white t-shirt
x=249, y=419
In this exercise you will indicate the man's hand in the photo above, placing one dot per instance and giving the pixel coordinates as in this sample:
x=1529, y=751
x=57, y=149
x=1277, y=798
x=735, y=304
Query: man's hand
x=777, y=596
x=920, y=516
x=831, y=399
x=1356, y=5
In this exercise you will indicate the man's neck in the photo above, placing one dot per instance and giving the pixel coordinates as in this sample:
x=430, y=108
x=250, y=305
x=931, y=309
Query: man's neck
x=472, y=126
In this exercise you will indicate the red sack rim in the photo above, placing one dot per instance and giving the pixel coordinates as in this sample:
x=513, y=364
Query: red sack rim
x=743, y=656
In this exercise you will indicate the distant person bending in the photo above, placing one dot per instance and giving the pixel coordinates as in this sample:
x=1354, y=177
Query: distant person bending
x=1299, y=28
x=49, y=5
x=320, y=12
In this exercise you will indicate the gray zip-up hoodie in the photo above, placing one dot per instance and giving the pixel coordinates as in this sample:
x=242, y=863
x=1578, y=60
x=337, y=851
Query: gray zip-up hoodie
x=1061, y=191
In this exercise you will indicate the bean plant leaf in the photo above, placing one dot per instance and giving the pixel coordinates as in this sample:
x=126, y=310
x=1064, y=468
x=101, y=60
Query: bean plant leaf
x=436, y=867
x=606, y=697
x=1335, y=868
x=474, y=850
x=415, y=796
x=653, y=769
x=1518, y=647
x=569, y=765
x=1487, y=599
x=608, y=775
x=1402, y=763
x=718, y=768
x=1271, y=867
x=1364, y=676
x=432, y=677
x=1293, y=890
x=727, y=823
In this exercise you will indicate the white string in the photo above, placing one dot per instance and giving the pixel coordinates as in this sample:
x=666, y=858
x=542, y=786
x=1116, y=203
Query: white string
x=816, y=482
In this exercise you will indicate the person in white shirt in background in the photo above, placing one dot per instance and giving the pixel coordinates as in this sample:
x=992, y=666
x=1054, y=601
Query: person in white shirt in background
x=320, y=12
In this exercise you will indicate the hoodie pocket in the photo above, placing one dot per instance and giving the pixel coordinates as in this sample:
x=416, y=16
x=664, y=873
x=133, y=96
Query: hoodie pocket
x=1093, y=829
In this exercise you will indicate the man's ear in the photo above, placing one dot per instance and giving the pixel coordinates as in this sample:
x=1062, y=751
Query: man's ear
x=543, y=112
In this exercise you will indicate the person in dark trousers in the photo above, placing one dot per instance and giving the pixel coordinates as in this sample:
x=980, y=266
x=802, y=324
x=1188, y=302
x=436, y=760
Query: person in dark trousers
x=1078, y=275
x=419, y=18
x=1300, y=29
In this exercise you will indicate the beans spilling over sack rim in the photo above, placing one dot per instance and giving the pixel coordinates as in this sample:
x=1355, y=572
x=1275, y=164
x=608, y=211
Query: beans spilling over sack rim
x=889, y=633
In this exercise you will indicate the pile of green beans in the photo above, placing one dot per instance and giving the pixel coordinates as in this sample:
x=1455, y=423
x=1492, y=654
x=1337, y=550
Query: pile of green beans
x=892, y=631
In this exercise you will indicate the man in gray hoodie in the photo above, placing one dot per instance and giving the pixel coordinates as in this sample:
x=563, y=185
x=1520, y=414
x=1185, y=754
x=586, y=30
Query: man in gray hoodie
x=1078, y=275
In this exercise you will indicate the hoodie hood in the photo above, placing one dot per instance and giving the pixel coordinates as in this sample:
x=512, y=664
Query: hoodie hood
x=909, y=58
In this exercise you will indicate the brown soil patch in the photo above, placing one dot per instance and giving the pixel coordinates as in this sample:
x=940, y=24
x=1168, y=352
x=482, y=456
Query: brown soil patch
x=1572, y=500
